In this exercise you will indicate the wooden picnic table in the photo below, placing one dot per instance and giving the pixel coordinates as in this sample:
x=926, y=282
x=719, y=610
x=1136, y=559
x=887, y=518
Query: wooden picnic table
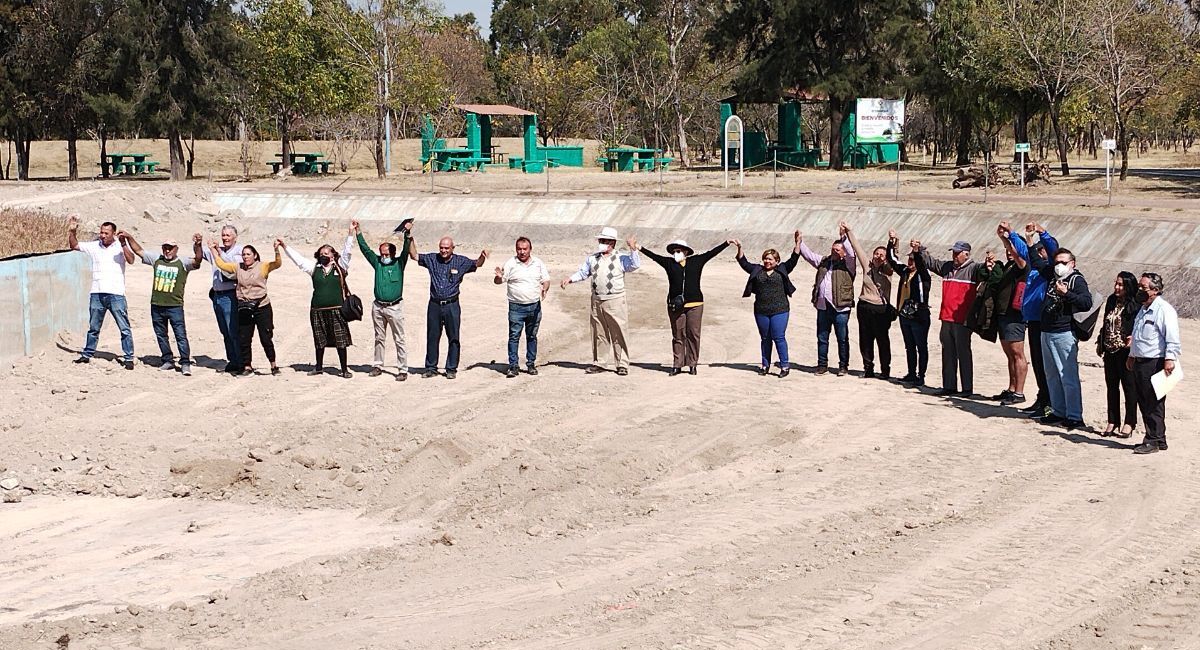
x=136, y=164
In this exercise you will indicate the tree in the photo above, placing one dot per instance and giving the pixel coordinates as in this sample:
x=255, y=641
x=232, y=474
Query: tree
x=1142, y=42
x=840, y=49
x=545, y=27
x=551, y=88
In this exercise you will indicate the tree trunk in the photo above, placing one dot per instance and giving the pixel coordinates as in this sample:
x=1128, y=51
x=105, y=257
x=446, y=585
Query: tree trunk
x=102, y=133
x=178, y=166
x=836, y=112
x=23, y=141
x=1059, y=137
x=1021, y=125
x=380, y=122
x=191, y=155
x=962, y=149
x=72, y=154
x=1123, y=146
x=244, y=138
x=285, y=138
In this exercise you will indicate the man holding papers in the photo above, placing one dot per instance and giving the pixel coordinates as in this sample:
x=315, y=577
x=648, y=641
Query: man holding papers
x=1155, y=349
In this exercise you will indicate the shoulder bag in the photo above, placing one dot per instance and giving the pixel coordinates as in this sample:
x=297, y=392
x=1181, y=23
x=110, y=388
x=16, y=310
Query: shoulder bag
x=352, y=307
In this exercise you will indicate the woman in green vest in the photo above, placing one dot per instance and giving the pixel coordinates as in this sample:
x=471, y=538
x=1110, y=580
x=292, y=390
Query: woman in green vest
x=327, y=269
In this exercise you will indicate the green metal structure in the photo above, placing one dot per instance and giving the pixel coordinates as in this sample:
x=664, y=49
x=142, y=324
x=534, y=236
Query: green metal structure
x=479, y=152
x=788, y=147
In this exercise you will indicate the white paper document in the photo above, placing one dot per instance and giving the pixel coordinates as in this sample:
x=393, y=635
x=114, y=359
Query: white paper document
x=1163, y=384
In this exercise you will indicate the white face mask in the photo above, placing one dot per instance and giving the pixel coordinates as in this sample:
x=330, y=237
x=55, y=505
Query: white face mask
x=679, y=256
x=385, y=259
x=601, y=248
x=1062, y=270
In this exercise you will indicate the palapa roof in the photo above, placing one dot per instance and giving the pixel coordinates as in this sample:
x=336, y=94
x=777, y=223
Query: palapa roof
x=493, y=109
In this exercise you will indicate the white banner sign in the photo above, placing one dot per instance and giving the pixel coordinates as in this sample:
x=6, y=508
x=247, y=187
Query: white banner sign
x=879, y=120
x=1110, y=145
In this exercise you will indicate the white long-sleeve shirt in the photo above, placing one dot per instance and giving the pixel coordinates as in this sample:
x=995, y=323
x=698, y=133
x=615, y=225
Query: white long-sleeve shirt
x=308, y=265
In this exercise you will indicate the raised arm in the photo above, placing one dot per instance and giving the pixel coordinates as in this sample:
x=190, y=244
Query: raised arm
x=124, y=238
x=854, y=251
x=197, y=251
x=220, y=262
x=275, y=263
x=582, y=273
x=804, y=251
x=632, y=261
x=136, y=248
x=479, y=261
x=370, y=255
x=347, y=249
x=660, y=260
x=303, y=264
x=73, y=232
x=712, y=252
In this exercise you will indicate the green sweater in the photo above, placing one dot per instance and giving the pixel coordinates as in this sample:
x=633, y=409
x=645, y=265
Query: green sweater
x=327, y=289
x=389, y=278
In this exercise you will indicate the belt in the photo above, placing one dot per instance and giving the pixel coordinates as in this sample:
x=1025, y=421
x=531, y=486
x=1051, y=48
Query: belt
x=447, y=301
x=389, y=304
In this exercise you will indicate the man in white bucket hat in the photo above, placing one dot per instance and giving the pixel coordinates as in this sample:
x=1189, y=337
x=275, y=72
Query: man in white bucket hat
x=610, y=314
x=685, y=302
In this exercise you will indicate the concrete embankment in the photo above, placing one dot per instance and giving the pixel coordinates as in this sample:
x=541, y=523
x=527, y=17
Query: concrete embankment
x=44, y=295
x=1105, y=243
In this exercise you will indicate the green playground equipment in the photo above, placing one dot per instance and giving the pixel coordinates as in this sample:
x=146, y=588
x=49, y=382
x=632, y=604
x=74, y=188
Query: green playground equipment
x=789, y=147
x=479, y=152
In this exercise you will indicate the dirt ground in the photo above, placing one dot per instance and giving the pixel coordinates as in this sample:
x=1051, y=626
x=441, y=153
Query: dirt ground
x=725, y=510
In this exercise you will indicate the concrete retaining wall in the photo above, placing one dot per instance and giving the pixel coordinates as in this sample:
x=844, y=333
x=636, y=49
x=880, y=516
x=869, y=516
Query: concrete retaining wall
x=43, y=296
x=1105, y=243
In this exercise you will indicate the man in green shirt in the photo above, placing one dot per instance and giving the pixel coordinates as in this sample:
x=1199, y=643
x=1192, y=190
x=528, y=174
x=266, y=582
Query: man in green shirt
x=166, y=296
x=387, y=310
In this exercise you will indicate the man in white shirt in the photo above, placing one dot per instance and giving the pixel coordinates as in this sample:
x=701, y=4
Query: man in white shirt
x=109, y=258
x=1156, y=347
x=607, y=268
x=527, y=280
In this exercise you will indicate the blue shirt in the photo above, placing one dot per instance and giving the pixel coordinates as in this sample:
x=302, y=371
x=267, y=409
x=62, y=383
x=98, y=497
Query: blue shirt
x=445, y=276
x=1156, y=332
x=1035, y=283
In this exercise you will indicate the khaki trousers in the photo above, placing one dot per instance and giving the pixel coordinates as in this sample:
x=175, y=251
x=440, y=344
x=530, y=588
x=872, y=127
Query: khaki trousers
x=685, y=335
x=609, y=320
x=384, y=317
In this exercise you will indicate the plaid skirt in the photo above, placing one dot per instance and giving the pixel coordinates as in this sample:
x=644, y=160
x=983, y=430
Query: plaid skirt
x=329, y=328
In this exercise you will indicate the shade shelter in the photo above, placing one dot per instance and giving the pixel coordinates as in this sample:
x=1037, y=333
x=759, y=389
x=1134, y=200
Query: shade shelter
x=788, y=147
x=479, y=150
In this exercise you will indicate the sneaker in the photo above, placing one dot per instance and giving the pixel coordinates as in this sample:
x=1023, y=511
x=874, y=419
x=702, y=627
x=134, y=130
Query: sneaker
x=1036, y=410
x=622, y=371
x=275, y=370
x=167, y=365
x=345, y=374
x=512, y=372
x=764, y=370
x=316, y=371
x=532, y=371
x=231, y=369
x=1051, y=420
x=886, y=375
x=784, y=373
x=451, y=374
x=1013, y=398
x=592, y=370
x=375, y=372
x=908, y=379
x=429, y=372
x=868, y=374
x=822, y=370
x=841, y=371
x=1149, y=448
x=186, y=370
x=249, y=372
x=1071, y=425
x=402, y=376
x=83, y=360
x=128, y=364
x=1004, y=394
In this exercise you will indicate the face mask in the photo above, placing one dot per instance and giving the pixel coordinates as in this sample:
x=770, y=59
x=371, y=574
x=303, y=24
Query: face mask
x=323, y=260
x=1062, y=270
x=679, y=256
x=1141, y=296
x=385, y=260
x=601, y=248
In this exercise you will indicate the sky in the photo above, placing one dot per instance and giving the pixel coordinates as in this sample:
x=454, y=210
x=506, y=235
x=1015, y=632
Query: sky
x=481, y=8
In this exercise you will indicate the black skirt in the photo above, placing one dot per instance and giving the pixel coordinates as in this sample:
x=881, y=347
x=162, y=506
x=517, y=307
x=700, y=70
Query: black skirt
x=329, y=328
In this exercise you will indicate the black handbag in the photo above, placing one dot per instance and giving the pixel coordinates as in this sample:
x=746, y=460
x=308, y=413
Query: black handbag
x=910, y=308
x=352, y=307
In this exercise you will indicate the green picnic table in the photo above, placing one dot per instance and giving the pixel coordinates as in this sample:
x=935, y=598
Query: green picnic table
x=458, y=158
x=630, y=159
x=302, y=163
x=115, y=163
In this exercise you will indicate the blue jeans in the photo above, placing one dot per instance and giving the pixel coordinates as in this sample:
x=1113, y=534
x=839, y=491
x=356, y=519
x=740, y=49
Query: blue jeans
x=916, y=342
x=840, y=322
x=225, y=307
x=98, y=304
x=1060, y=354
x=160, y=317
x=526, y=317
x=771, y=330
x=446, y=317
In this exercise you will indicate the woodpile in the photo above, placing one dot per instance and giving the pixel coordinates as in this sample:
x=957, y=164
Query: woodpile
x=1010, y=174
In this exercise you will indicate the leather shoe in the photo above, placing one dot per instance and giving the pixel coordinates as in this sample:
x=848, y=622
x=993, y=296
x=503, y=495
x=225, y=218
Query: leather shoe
x=692, y=371
x=675, y=371
x=1146, y=448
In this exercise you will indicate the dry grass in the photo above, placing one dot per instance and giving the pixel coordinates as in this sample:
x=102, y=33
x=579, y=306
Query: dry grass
x=31, y=231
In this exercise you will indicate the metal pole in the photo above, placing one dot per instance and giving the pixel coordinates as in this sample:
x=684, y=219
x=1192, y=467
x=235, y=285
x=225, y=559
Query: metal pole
x=1108, y=158
x=986, y=169
x=1022, y=169
x=387, y=111
x=774, y=173
x=547, y=160
x=897, y=179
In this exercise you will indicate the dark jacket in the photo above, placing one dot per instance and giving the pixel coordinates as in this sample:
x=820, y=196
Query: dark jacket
x=1058, y=310
x=921, y=281
x=756, y=271
x=987, y=307
x=685, y=278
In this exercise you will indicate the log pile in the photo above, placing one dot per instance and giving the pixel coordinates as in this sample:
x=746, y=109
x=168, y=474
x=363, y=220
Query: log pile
x=973, y=176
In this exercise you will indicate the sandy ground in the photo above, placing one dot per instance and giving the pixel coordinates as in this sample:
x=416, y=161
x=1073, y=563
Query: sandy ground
x=724, y=510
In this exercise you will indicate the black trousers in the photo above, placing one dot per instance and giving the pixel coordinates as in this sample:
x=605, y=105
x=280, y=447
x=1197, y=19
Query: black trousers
x=873, y=328
x=1035, y=359
x=251, y=317
x=1116, y=380
x=1154, y=410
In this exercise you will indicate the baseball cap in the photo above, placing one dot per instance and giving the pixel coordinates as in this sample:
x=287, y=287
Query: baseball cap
x=960, y=246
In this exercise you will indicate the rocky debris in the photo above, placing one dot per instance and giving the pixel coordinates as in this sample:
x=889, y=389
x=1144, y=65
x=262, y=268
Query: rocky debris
x=535, y=531
x=192, y=527
x=13, y=497
x=133, y=610
x=178, y=605
x=258, y=454
x=10, y=483
x=180, y=491
x=445, y=540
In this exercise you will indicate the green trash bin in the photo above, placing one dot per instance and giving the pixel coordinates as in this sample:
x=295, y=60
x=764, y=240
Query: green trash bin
x=858, y=159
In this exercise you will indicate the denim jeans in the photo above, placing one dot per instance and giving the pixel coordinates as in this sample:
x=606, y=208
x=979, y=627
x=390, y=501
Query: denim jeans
x=446, y=317
x=1060, y=353
x=98, y=305
x=771, y=331
x=916, y=342
x=526, y=317
x=160, y=317
x=226, y=310
x=840, y=322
